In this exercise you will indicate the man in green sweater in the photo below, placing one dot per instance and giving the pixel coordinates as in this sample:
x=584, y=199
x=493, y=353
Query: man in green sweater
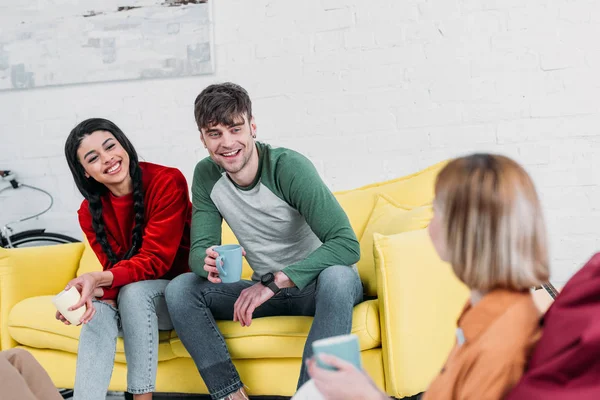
x=297, y=240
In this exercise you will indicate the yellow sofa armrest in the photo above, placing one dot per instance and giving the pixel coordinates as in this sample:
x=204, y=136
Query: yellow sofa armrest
x=30, y=272
x=420, y=300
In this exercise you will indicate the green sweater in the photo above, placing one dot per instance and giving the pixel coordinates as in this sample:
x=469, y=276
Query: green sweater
x=286, y=220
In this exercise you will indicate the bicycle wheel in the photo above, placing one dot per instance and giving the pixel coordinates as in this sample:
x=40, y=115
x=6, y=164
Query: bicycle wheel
x=38, y=237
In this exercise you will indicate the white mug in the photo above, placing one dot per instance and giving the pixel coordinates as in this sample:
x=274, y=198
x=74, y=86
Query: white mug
x=66, y=299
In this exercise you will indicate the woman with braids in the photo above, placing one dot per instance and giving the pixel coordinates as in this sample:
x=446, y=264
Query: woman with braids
x=136, y=217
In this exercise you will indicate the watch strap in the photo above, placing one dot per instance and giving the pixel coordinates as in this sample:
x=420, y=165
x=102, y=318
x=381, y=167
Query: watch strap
x=273, y=286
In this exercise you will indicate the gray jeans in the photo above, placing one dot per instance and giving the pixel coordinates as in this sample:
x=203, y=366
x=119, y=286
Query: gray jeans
x=195, y=303
x=142, y=311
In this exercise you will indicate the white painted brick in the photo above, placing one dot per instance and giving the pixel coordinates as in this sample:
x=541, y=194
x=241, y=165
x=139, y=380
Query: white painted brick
x=557, y=175
x=327, y=20
x=356, y=59
x=579, y=79
x=329, y=41
x=371, y=122
x=400, y=142
x=422, y=32
x=436, y=116
x=437, y=10
x=397, y=164
x=408, y=95
x=287, y=46
x=287, y=10
x=577, y=249
x=454, y=88
x=335, y=103
x=362, y=39
x=444, y=137
x=333, y=4
x=561, y=202
x=532, y=18
x=496, y=64
x=386, y=12
x=540, y=129
x=575, y=13
x=499, y=4
x=375, y=77
x=493, y=111
x=390, y=35
x=560, y=56
x=9, y=152
x=571, y=103
x=527, y=84
x=353, y=173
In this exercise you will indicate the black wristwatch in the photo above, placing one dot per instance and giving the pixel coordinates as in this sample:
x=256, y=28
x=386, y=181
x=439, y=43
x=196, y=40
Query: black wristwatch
x=268, y=280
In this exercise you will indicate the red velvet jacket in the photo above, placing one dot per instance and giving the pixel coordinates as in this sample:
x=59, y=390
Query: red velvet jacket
x=566, y=362
x=166, y=238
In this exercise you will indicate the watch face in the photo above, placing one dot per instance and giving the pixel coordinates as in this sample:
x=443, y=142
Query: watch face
x=267, y=278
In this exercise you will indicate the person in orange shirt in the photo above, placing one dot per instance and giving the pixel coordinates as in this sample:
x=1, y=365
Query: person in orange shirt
x=488, y=225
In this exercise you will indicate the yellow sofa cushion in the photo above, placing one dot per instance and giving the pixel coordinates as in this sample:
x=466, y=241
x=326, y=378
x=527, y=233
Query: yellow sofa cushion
x=32, y=323
x=285, y=336
x=33, y=271
x=420, y=300
x=387, y=218
x=89, y=262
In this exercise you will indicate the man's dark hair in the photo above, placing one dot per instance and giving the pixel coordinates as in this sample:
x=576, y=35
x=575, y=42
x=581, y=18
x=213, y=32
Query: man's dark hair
x=222, y=103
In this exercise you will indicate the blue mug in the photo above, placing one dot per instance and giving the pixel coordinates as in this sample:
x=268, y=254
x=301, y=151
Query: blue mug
x=229, y=262
x=345, y=347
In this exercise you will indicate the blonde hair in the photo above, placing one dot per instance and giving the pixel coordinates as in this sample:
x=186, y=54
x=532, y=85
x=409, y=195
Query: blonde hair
x=493, y=224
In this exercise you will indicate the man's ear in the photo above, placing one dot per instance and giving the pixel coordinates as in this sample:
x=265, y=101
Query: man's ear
x=253, y=127
x=202, y=138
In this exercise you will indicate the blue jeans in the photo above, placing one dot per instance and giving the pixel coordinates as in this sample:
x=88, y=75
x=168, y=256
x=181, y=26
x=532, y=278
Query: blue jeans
x=142, y=311
x=195, y=303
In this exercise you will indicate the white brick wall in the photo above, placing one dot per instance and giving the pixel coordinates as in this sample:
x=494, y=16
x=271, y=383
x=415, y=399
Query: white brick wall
x=369, y=91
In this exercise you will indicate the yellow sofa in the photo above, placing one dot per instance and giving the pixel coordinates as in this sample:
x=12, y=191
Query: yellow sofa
x=406, y=326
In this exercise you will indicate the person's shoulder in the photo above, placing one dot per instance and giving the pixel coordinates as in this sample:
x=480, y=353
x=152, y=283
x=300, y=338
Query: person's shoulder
x=287, y=159
x=160, y=175
x=207, y=165
x=207, y=173
x=514, y=331
x=84, y=208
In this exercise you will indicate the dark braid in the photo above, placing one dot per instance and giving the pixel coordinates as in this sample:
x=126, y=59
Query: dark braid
x=93, y=190
x=138, y=208
x=95, y=207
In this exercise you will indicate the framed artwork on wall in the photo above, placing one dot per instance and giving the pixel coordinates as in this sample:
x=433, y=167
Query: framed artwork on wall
x=49, y=42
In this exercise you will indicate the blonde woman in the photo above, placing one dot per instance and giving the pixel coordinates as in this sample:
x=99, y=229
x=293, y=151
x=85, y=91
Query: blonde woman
x=488, y=225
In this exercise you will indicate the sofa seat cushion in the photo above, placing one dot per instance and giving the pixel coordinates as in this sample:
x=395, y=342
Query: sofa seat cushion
x=284, y=336
x=31, y=322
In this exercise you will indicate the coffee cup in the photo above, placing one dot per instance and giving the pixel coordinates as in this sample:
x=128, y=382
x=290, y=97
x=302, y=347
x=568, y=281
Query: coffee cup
x=229, y=262
x=66, y=299
x=345, y=347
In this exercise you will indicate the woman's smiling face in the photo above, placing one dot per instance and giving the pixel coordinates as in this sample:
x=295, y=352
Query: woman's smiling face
x=105, y=160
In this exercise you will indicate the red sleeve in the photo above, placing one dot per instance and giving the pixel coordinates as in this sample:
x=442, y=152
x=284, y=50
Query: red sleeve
x=166, y=216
